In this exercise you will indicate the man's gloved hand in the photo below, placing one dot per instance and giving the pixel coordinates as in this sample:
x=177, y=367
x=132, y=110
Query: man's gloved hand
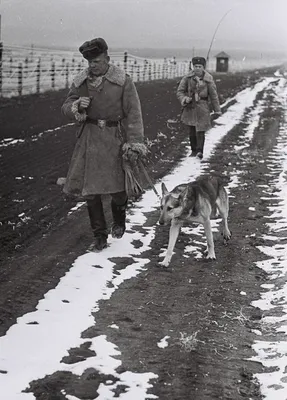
x=132, y=152
x=186, y=100
x=132, y=156
x=84, y=103
x=216, y=115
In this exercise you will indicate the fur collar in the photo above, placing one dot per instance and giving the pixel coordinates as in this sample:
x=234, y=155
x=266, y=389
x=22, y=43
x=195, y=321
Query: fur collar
x=114, y=75
x=207, y=77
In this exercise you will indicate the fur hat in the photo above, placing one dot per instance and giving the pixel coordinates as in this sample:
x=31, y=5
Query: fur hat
x=199, y=60
x=93, y=48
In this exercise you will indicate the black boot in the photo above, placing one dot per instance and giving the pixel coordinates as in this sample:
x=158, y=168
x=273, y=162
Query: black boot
x=119, y=217
x=100, y=242
x=98, y=222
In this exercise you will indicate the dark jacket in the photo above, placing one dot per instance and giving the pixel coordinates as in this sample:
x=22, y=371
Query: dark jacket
x=197, y=113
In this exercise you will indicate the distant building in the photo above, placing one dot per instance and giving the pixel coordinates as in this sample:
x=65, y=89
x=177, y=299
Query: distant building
x=222, y=60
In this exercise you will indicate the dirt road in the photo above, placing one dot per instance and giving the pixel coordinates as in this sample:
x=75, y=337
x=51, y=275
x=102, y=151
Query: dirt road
x=181, y=333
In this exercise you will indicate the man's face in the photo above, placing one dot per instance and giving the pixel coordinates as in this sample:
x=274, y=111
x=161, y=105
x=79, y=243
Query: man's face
x=98, y=65
x=198, y=69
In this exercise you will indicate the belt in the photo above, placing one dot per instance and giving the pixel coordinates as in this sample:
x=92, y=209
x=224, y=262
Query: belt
x=102, y=122
x=203, y=98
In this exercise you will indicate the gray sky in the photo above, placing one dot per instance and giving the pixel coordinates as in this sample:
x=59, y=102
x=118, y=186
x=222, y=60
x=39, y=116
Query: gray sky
x=252, y=24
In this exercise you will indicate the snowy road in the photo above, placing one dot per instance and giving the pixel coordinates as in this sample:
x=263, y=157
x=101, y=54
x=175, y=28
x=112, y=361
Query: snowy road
x=34, y=347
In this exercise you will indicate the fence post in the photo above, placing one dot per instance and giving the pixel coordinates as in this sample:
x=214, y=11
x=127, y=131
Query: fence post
x=11, y=65
x=1, y=76
x=20, y=79
x=154, y=71
x=132, y=71
x=53, y=75
x=139, y=73
x=26, y=65
x=67, y=75
x=125, y=60
x=144, y=70
x=149, y=71
x=38, y=75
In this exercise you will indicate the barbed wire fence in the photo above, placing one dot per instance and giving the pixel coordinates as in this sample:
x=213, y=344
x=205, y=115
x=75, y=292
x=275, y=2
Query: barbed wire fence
x=27, y=70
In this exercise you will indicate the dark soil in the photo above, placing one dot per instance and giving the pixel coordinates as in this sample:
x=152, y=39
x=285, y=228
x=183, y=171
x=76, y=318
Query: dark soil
x=192, y=297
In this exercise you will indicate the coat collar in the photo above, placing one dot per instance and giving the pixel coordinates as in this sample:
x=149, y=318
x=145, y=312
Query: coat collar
x=207, y=77
x=114, y=75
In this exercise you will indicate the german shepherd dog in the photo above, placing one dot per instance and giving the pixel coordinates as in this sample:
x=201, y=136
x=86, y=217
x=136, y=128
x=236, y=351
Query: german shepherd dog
x=198, y=201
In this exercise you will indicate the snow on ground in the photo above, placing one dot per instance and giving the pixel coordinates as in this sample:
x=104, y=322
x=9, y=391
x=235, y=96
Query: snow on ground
x=35, y=345
x=271, y=349
x=12, y=142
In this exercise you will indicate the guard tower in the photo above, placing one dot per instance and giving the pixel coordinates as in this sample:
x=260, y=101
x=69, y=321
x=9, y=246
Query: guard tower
x=222, y=60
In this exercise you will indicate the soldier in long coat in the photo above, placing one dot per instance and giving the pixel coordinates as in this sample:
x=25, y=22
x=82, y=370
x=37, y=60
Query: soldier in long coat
x=194, y=91
x=104, y=101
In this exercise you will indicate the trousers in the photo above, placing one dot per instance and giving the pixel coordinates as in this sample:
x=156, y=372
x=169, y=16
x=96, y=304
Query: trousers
x=196, y=139
x=97, y=216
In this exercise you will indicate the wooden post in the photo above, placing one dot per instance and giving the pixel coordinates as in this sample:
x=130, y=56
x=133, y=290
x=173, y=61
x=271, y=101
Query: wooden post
x=132, y=71
x=125, y=60
x=26, y=65
x=67, y=75
x=11, y=65
x=144, y=69
x=149, y=71
x=53, y=75
x=38, y=76
x=138, y=73
x=154, y=70
x=20, y=79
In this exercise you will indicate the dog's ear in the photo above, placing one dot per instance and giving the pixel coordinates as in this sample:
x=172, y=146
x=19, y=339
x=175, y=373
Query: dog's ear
x=164, y=189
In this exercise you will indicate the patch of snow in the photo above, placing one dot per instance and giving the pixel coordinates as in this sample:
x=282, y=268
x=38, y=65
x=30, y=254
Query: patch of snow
x=163, y=342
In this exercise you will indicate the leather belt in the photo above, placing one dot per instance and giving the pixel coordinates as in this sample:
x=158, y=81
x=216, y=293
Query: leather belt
x=102, y=122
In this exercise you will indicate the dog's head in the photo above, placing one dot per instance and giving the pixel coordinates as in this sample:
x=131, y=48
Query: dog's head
x=171, y=205
x=180, y=202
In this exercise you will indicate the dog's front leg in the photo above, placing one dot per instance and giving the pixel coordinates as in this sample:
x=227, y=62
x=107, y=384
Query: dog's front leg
x=209, y=239
x=173, y=235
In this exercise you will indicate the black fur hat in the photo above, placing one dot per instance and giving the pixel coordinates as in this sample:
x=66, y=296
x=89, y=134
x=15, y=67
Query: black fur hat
x=199, y=60
x=93, y=48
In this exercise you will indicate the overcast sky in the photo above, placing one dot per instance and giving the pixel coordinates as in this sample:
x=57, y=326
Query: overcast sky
x=253, y=24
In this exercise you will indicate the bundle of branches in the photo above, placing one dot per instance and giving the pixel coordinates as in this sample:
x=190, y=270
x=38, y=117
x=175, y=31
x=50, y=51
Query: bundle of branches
x=132, y=186
x=131, y=157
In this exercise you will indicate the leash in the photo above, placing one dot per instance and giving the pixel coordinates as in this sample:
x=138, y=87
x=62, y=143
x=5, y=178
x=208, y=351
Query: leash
x=148, y=178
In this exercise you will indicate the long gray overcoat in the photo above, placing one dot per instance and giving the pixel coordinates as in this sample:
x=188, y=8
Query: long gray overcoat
x=96, y=164
x=198, y=113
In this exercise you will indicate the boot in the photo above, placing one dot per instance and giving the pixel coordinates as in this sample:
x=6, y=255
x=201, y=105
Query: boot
x=98, y=222
x=119, y=217
x=100, y=242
